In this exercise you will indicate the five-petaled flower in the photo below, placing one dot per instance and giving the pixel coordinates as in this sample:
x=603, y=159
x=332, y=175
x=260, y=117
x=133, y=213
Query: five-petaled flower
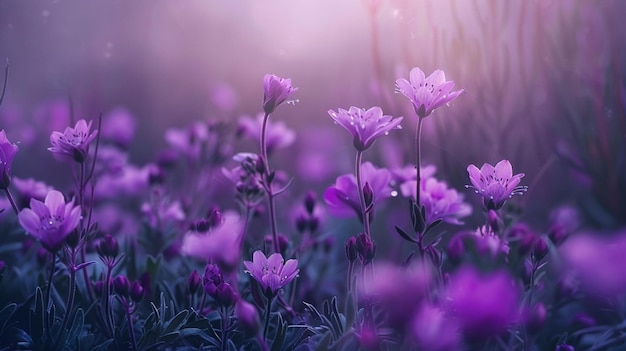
x=427, y=93
x=74, y=142
x=272, y=273
x=365, y=125
x=50, y=221
x=7, y=153
x=495, y=184
x=276, y=90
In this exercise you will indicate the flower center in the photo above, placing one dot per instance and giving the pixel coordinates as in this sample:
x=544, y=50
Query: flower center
x=51, y=223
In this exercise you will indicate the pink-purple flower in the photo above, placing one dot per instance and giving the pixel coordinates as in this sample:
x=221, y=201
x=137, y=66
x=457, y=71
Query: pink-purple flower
x=495, y=184
x=277, y=134
x=276, y=90
x=73, y=143
x=272, y=273
x=50, y=221
x=365, y=125
x=439, y=201
x=7, y=153
x=342, y=198
x=427, y=93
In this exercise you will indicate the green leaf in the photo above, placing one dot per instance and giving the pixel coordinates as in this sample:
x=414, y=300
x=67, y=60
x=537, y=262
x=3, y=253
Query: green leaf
x=77, y=327
x=176, y=322
x=6, y=313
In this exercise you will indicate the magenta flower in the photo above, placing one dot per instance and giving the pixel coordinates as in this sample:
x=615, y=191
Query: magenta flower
x=342, y=198
x=51, y=221
x=495, y=184
x=74, y=143
x=277, y=134
x=7, y=153
x=439, y=201
x=365, y=125
x=119, y=127
x=275, y=91
x=427, y=94
x=272, y=273
x=484, y=305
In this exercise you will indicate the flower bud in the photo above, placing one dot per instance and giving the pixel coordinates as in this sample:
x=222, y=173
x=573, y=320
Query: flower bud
x=524, y=237
x=536, y=318
x=214, y=217
x=193, y=282
x=314, y=223
x=121, y=285
x=309, y=202
x=456, y=247
x=212, y=278
x=557, y=234
x=108, y=247
x=156, y=176
x=494, y=221
x=98, y=287
x=351, y=251
x=248, y=317
x=283, y=242
x=368, y=194
x=540, y=248
x=146, y=283
x=136, y=291
x=225, y=295
x=366, y=248
x=72, y=239
x=302, y=223
x=260, y=165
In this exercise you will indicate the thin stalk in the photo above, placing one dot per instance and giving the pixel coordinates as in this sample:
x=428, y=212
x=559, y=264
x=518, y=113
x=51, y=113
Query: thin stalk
x=11, y=200
x=48, y=292
x=6, y=80
x=418, y=160
x=107, y=311
x=268, y=187
x=69, y=305
x=268, y=312
x=359, y=184
x=224, y=314
x=131, y=329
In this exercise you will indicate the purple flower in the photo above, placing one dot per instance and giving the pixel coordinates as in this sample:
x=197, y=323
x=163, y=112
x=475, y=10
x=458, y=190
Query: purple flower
x=222, y=244
x=31, y=188
x=427, y=94
x=365, y=125
x=495, y=184
x=212, y=278
x=275, y=91
x=439, y=201
x=484, y=305
x=188, y=142
x=277, y=134
x=119, y=127
x=7, y=153
x=50, y=221
x=343, y=197
x=74, y=143
x=435, y=331
x=271, y=273
x=488, y=242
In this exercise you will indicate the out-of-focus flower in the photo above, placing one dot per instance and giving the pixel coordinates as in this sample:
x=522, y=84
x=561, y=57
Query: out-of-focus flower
x=222, y=244
x=439, y=201
x=118, y=127
x=163, y=212
x=365, y=125
x=435, y=331
x=427, y=93
x=225, y=295
x=398, y=290
x=50, y=221
x=193, y=282
x=351, y=251
x=495, y=184
x=131, y=181
x=598, y=262
x=110, y=160
x=488, y=242
x=121, y=285
x=272, y=273
x=484, y=305
x=30, y=189
x=188, y=142
x=7, y=153
x=408, y=172
x=277, y=134
x=535, y=318
x=212, y=278
x=136, y=292
x=248, y=317
x=73, y=143
x=525, y=239
x=563, y=221
x=343, y=197
x=276, y=90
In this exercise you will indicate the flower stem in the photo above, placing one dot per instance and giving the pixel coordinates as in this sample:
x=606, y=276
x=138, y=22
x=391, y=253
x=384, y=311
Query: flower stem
x=268, y=312
x=268, y=187
x=48, y=292
x=131, y=329
x=359, y=184
x=11, y=200
x=224, y=314
x=69, y=305
x=418, y=159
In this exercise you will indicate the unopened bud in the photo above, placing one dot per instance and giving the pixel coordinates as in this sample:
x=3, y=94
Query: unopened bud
x=309, y=202
x=193, y=282
x=136, y=291
x=351, y=251
x=368, y=194
x=248, y=317
x=365, y=248
x=225, y=295
x=108, y=247
x=122, y=285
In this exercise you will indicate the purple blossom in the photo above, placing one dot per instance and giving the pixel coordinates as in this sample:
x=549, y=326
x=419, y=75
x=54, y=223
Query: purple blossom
x=488, y=242
x=272, y=273
x=73, y=143
x=162, y=212
x=495, y=184
x=50, y=221
x=484, y=305
x=276, y=90
x=365, y=125
x=343, y=197
x=277, y=134
x=439, y=201
x=427, y=93
x=433, y=330
x=222, y=243
x=188, y=142
x=7, y=153
x=119, y=127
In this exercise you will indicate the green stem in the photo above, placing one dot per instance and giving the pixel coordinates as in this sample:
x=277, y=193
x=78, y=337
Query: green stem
x=268, y=312
x=224, y=313
x=268, y=187
x=131, y=329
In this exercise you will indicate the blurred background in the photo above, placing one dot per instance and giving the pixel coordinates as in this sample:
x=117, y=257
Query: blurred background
x=544, y=81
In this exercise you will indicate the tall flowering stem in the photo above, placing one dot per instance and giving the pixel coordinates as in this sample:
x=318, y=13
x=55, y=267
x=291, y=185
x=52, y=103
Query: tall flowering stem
x=418, y=160
x=359, y=182
x=270, y=194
